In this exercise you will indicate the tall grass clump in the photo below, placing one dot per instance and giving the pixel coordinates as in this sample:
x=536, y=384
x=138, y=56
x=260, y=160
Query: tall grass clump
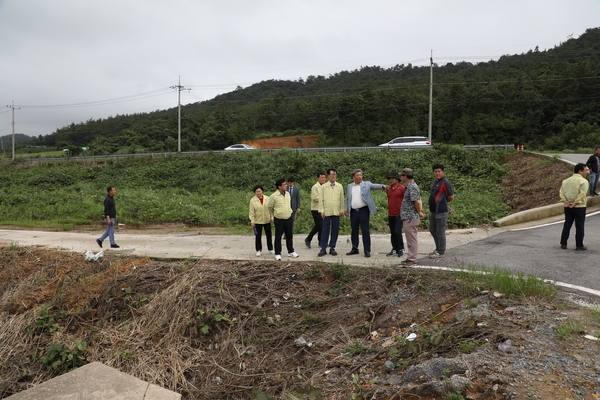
x=475, y=279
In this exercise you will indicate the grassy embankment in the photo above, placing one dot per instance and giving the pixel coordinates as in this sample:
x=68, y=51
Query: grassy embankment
x=214, y=189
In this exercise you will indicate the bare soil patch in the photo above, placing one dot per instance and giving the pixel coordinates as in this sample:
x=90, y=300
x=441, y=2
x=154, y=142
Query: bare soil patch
x=236, y=329
x=290, y=142
x=532, y=180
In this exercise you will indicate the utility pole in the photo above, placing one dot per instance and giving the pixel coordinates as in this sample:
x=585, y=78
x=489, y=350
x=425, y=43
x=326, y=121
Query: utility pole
x=430, y=94
x=179, y=88
x=13, y=128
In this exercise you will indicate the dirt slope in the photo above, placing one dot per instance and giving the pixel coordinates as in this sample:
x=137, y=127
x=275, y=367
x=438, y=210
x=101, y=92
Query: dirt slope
x=532, y=180
x=234, y=329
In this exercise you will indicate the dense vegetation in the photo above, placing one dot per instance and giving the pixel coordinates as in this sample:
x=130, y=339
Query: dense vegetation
x=541, y=98
x=214, y=189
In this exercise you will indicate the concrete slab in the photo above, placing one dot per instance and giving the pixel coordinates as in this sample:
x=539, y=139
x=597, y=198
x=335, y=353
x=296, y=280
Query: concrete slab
x=96, y=381
x=231, y=247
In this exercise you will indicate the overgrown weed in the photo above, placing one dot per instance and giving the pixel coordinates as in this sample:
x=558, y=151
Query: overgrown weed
x=568, y=328
x=474, y=279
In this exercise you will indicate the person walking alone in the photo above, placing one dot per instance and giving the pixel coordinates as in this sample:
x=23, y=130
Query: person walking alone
x=573, y=193
x=110, y=217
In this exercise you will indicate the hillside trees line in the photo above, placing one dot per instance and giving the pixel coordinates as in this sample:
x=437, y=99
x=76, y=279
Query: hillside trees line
x=541, y=98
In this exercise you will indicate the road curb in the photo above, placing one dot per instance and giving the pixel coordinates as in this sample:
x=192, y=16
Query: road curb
x=538, y=213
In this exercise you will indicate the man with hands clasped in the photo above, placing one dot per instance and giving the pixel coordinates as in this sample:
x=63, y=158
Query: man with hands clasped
x=573, y=193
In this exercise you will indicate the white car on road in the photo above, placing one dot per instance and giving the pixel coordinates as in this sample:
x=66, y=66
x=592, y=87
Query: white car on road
x=235, y=147
x=408, y=141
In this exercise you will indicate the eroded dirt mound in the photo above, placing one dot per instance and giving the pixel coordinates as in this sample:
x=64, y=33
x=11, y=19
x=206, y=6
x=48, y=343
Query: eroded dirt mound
x=291, y=142
x=236, y=329
x=533, y=180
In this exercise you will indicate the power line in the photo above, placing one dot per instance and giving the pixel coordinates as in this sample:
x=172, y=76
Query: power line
x=140, y=96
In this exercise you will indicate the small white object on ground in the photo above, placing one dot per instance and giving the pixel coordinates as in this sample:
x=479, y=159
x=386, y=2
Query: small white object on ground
x=90, y=256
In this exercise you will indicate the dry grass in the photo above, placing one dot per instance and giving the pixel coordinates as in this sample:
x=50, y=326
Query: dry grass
x=219, y=329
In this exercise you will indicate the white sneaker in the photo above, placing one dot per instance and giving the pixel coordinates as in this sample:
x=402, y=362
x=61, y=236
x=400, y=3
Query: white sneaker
x=271, y=251
x=278, y=257
x=293, y=255
x=435, y=254
x=258, y=253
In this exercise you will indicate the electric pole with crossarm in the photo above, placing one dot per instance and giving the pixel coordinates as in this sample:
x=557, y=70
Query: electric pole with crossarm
x=13, y=128
x=179, y=89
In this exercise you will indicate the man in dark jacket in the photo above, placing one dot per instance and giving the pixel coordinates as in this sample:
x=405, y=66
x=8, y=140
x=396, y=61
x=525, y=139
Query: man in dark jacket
x=295, y=197
x=593, y=163
x=110, y=216
x=440, y=195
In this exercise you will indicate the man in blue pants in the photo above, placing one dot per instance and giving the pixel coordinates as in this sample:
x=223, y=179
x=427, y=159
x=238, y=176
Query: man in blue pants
x=110, y=216
x=331, y=207
x=593, y=163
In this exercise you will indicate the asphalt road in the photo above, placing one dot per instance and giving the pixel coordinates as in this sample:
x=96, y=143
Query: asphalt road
x=575, y=158
x=535, y=251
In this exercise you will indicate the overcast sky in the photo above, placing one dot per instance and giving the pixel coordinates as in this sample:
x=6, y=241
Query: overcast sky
x=64, y=61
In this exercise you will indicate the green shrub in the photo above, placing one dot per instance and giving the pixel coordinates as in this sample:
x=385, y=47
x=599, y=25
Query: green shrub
x=63, y=358
x=47, y=320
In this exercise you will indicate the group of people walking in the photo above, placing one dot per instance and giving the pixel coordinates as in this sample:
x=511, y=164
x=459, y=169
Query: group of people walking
x=328, y=205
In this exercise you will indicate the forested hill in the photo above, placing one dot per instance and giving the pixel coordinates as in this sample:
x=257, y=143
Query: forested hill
x=541, y=98
x=6, y=140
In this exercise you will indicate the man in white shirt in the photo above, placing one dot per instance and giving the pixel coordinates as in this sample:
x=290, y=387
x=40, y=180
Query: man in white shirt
x=360, y=206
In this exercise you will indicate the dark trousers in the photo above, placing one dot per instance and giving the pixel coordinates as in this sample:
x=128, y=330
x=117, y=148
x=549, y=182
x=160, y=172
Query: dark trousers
x=437, y=227
x=330, y=224
x=395, y=224
x=284, y=226
x=317, y=228
x=578, y=216
x=258, y=239
x=594, y=181
x=360, y=218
